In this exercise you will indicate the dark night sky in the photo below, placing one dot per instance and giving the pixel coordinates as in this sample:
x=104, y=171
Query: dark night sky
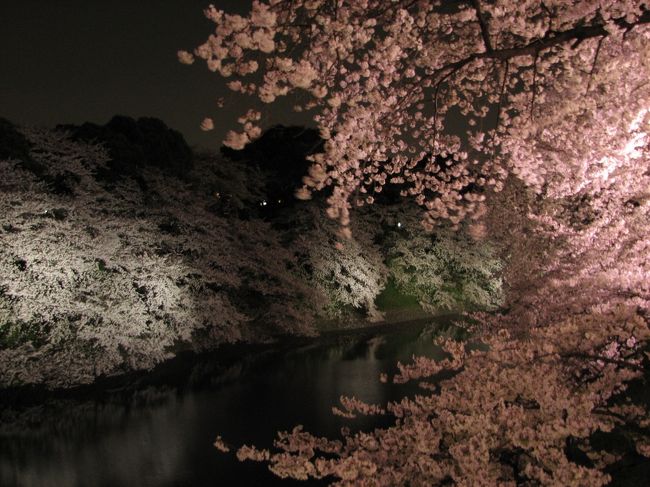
x=71, y=61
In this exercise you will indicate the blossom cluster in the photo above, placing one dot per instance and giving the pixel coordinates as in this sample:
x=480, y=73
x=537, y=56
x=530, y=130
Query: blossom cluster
x=388, y=83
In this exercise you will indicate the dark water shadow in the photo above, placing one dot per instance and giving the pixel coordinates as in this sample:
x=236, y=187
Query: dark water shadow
x=158, y=429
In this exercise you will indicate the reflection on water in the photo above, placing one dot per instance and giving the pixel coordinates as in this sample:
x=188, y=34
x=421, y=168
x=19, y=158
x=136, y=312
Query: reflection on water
x=159, y=429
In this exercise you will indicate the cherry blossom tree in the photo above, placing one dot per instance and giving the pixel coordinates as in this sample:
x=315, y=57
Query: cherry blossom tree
x=446, y=270
x=527, y=120
x=451, y=101
x=98, y=278
x=504, y=418
x=389, y=83
x=349, y=275
x=170, y=255
x=441, y=271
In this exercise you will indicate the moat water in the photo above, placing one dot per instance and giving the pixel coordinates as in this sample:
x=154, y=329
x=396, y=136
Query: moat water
x=158, y=429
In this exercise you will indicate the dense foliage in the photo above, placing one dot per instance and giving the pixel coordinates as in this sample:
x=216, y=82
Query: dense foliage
x=510, y=414
x=527, y=121
x=101, y=276
x=134, y=143
x=99, y=281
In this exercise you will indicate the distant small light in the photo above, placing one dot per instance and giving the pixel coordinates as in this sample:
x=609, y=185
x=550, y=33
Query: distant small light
x=279, y=201
x=263, y=203
x=399, y=224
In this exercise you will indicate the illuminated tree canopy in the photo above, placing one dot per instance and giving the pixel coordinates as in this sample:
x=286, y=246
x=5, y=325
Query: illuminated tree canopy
x=393, y=84
x=522, y=122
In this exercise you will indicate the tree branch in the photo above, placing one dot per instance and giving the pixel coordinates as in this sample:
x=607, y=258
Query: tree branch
x=593, y=66
x=579, y=33
x=485, y=32
x=435, y=96
x=503, y=89
x=619, y=362
x=532, y=101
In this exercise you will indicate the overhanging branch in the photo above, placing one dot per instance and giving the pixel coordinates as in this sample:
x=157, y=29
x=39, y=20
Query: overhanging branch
x=579, y=33
x=485, y=32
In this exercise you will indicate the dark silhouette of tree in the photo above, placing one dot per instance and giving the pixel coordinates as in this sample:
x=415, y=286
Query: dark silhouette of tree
x=133, y=144
x=280, y=154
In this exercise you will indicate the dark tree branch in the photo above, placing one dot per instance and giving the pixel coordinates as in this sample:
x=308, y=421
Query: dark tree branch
x=550, y=16
x=485, y=32
x=619, y=362
x=593, y=66
x=579, y=33
x=503, y=89
x=532, y=101
x=435, y=97
x=533, y=48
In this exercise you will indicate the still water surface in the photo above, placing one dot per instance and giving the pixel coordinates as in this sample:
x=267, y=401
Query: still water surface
x=158, y=429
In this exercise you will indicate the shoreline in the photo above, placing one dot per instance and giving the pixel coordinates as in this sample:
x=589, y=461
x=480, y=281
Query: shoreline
x=176, y=369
